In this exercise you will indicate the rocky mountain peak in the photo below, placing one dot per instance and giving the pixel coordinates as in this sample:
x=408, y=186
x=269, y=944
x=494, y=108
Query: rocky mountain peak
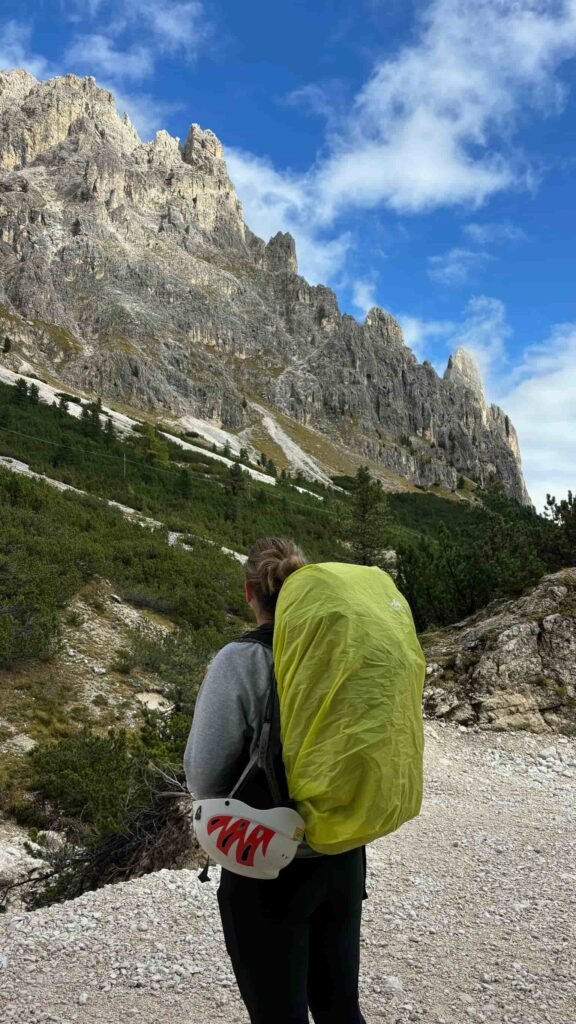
x=38, y=117
x=127, y=269
x=281, y=253
x=384, y=324
x=463, y=369
x=14, y=86
x=202, y=147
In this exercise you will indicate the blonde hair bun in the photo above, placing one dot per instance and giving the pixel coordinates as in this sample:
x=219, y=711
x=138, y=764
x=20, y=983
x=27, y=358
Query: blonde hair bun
x=270, y=562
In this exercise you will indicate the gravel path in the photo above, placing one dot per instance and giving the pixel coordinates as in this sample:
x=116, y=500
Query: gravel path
x=471, y=916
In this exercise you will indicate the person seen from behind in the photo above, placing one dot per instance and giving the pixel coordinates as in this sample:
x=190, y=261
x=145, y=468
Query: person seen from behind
x=294, y=939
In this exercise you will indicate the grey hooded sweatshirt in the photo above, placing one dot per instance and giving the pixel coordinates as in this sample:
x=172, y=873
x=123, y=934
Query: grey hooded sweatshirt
x=228, y=719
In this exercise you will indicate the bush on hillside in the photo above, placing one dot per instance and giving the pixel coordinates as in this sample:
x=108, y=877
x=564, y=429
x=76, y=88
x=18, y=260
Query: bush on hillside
x=52, y=543
x=178, y=658
x=119, y=801
x=450, y=576
x=91, y=779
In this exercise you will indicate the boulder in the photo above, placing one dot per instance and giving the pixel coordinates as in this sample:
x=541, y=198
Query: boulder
x=510, y=666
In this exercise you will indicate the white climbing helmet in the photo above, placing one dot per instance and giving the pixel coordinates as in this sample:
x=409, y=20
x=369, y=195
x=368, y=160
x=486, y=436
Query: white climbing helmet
x=245, y=840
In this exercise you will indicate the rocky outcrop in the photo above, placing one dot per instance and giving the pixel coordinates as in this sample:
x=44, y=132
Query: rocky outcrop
x=126, y=269
x=511, y=666
x=20, y=861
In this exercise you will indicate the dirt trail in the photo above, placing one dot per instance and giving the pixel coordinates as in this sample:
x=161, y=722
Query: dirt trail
x=471, y=915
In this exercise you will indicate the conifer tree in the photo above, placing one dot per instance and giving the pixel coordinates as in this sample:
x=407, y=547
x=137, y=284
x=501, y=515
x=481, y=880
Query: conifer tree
x=366, y=523
x=184, y=484
x=21, y=391
x=155, y=447
x=237, y=479
x=563, y=515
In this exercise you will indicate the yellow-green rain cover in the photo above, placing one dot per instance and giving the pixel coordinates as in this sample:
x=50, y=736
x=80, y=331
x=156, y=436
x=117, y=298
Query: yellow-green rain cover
x=350, y=674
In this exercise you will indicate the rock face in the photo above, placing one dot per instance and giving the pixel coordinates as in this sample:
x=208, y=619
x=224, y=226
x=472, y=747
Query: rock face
x=127, y=269
x=20, y=860
x=511, y=666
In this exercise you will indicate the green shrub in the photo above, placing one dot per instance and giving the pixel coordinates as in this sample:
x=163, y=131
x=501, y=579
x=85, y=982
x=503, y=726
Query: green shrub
x=93, y=779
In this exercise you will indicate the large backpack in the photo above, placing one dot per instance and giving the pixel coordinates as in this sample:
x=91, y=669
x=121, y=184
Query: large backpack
x=350, y=674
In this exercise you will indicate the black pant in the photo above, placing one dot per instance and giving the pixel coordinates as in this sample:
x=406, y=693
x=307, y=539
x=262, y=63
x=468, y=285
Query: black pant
x=294, y=941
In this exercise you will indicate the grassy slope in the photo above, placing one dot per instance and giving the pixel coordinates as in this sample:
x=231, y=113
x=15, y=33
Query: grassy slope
x=53, y=545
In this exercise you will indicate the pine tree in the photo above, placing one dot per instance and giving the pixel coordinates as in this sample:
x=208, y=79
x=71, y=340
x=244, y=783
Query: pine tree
x=237, y=479
x=95, y=412
x=563, y=515
x=366, y=523
x=86, y=418
x=34, y=394
x=184, y=484
x=21, y=391
x=154, y=447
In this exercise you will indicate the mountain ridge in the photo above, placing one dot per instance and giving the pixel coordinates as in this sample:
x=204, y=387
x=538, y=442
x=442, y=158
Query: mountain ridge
x=127, y=270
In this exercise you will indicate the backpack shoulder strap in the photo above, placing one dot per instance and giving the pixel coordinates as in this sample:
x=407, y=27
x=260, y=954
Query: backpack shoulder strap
x=263, y=635
x=264, y=754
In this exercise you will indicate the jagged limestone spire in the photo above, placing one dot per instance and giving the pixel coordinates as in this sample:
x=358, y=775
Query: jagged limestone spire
x=463, y=369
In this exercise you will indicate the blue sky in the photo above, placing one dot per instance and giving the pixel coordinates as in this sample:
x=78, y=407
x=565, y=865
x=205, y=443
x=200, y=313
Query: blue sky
x=422, y=152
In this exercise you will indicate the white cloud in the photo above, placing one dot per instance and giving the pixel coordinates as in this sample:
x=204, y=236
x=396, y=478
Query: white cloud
x=97, y=55
x=15, y=50
x=484, y=331
x=427, y=128
x=494, y=232
x=419, y=333
x=455, y=267
x=280, y=202
x=175, y=26
x=364, y=295
x=313, y=98
x=263, y=188
x=110, y=54
x=433, y=124
x=162, y=26
x=79, y=10
x=541, y=402
x=147, y=114
x=169, y=26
